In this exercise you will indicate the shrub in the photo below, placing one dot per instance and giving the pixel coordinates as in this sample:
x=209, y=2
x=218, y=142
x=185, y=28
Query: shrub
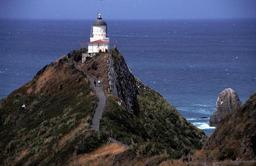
x=91, y=142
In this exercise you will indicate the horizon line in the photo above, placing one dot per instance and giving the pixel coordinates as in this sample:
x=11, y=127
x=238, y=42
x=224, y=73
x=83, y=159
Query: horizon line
x=127, y=19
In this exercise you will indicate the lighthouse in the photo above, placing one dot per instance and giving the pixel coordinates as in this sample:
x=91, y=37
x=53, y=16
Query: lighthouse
x=99, y=41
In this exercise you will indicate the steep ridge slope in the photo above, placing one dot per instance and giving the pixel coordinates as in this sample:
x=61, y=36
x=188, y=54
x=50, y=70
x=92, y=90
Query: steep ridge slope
x=49, y=119
x=152, y=126
x=122, y=82
x=47, y=116
x=235, y=137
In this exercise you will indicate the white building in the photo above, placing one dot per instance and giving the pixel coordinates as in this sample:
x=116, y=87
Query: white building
x=99, y=41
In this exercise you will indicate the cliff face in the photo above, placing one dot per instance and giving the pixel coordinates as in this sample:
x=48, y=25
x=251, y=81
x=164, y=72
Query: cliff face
x=117, y=80
x=235, y=137
x=122, y=82
x=49, y=119
x=156, y=129
x=227, y=102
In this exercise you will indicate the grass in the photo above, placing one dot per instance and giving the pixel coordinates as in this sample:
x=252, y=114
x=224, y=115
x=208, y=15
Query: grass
x=234, y=138
x=60, y=104
x=50, y=114
x=157, y=129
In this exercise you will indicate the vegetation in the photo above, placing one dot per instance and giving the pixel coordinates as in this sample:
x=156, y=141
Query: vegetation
x=48, y=119
x=234, y=139
x=41, y=119
x=90, y=143
x=76, y=55
x=157, y=129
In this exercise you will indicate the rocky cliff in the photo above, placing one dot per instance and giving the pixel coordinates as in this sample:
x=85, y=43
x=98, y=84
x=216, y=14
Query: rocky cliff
x=122, y=82
x=235, y=136
x=227, y=102
x=48, y=121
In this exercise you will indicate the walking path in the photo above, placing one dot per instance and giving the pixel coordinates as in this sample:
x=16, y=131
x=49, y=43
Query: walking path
x=98, y=88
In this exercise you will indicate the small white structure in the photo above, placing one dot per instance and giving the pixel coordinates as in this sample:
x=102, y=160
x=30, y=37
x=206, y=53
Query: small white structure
x=99, y=41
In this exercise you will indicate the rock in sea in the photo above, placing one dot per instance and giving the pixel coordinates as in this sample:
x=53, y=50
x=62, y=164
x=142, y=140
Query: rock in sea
x=227, y=101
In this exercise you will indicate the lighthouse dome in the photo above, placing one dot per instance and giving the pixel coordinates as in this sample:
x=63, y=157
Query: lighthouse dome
x=99, y=21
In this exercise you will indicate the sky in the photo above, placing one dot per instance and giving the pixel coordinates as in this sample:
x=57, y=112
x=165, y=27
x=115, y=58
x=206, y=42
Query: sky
x=128, y=9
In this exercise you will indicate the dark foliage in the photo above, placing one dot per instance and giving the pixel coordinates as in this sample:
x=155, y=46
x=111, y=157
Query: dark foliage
x=91, y=142
x=157, y=129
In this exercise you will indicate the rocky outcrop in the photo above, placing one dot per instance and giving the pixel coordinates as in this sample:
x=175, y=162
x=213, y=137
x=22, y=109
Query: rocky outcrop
x=121, y=81
x=235, y=136
x=227, y=102
x=116, y=78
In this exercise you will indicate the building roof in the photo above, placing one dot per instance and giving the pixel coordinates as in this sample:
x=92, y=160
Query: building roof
x=99, y=21
x=99, y=42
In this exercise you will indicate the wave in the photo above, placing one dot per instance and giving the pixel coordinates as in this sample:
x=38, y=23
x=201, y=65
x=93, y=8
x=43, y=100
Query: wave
x=198, y=119
x=202, y=125
x=202, y=110
x=202, y=105
x=192, y=119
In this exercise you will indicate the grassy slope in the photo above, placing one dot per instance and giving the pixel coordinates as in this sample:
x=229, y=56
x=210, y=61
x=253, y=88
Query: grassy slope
x=46, y=129
x=59, y=108
x=157, y=129
x=235, y=138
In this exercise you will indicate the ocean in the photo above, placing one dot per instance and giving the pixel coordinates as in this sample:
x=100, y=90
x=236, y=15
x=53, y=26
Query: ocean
x=188, y=61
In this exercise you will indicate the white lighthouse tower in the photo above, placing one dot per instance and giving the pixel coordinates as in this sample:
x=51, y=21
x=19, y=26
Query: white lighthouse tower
x=99, y=41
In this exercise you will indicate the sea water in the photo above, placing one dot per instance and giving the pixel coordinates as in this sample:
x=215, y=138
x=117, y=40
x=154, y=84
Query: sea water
x=188, y=62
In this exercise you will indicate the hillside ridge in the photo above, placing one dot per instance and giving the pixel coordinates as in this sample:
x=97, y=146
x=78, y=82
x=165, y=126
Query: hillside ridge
x=50, y=118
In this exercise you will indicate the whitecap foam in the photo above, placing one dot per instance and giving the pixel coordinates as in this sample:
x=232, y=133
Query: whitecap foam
x=191, y=119
x=197, y=109
x=203, y=125
x=202, y=105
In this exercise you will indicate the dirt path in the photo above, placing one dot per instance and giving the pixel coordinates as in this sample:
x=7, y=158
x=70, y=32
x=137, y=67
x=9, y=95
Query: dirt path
x=101, y=104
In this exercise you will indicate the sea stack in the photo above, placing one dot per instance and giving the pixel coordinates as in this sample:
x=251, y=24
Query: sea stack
x=235, y=137
x=227, y=102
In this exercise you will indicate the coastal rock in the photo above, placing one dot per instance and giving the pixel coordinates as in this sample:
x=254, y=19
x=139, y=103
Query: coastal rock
x=122, y=82
x=235, y=137
x=227, y=102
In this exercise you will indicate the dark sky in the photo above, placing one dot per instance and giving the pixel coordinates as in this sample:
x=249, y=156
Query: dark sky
x=128, y=9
